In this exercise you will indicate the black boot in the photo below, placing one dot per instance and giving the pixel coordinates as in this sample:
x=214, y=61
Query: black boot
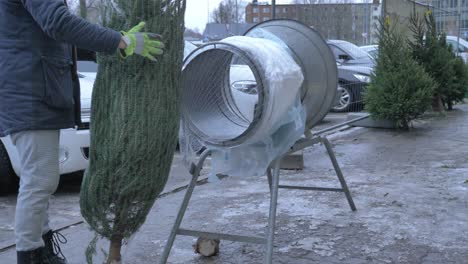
x=36, y=256
x=52, y=250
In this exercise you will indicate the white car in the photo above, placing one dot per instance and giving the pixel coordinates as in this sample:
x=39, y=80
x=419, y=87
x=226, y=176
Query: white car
x=74, y=143
x=462, y=46
x=373, y=50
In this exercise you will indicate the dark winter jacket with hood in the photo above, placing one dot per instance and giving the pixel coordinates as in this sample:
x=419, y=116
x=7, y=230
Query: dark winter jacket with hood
x=37, y=88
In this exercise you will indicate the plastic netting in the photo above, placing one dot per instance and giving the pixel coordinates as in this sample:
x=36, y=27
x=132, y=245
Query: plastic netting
x=135, y=119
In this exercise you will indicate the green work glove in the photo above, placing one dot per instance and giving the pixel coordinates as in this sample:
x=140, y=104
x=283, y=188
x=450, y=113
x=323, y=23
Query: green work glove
x=145, y=44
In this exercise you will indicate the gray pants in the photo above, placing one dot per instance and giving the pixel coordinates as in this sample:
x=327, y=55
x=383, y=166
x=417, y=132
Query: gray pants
x=39, y=177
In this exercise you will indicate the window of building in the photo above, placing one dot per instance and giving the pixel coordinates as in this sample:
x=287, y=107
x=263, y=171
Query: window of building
x=266, y=10
x=255, y=20
x=285, y=10
x=255, y=10
x=266, y=18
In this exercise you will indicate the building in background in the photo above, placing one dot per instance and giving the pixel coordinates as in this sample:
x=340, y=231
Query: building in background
x=346, y=21
x=353, y=21
x=446, y=13
x=401, y=10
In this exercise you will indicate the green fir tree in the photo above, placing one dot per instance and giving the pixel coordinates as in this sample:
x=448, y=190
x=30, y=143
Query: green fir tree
x=400, y=89
x=460, y=83
x=134, y=127
x=430, y=49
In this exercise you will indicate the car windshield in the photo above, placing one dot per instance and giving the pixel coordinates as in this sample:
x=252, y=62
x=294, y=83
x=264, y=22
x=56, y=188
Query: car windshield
x=353, y=50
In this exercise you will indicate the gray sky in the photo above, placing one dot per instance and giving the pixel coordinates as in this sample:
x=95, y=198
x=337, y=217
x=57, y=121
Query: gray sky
x=196, y=15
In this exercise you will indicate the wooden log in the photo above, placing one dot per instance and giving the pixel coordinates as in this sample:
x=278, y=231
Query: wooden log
x=206, y=247
x=294, y=161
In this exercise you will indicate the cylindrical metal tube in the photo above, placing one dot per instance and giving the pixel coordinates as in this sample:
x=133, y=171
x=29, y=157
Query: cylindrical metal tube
x=227, y=94
x=208, y=103
x=239, y=90
x=312, y=53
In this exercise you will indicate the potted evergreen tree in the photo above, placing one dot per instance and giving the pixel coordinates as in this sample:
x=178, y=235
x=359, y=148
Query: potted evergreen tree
x=400, y=89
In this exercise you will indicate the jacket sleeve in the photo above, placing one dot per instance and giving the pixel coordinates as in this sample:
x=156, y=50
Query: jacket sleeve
x=58, y=23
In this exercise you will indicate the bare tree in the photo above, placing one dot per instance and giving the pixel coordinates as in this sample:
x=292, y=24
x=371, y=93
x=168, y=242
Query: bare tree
x=229, y=11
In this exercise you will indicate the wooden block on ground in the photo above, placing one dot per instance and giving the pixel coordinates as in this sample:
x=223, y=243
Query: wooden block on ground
x=293, y=161
x=206, y=247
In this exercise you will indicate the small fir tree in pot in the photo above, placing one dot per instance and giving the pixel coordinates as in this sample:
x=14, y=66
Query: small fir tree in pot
x=430, y=49
x=400, y=89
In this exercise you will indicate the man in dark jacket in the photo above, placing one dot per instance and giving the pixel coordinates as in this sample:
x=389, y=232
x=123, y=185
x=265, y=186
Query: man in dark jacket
x=39, y=95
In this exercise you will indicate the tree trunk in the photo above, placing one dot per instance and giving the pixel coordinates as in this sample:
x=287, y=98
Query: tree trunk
x=437, y=104
x=83, y=9
x=450, y=105
x=114, y=250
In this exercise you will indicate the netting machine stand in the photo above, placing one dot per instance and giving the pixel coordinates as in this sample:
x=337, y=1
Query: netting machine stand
x=273, y=174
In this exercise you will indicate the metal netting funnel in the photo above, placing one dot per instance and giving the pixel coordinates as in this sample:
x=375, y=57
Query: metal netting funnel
x=223, y=94
x=311, y=52
x=240, y=91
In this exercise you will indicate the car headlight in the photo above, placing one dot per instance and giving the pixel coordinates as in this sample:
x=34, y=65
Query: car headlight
x=362, y=78
x=63, y=154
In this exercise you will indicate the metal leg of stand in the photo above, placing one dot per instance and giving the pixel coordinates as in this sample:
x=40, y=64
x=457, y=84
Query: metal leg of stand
x=195, y=170
x=332, y=156
x=270, y=178
x=272, y=218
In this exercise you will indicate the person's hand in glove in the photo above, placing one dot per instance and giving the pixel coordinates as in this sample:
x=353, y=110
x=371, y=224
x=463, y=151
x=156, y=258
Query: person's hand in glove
x=145, y=44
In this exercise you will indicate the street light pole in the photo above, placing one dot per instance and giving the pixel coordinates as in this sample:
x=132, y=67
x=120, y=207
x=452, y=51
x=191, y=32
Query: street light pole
x=273, y=10
x=208, y=10
x=459, y=26
x=237, y=13
x=384, y=10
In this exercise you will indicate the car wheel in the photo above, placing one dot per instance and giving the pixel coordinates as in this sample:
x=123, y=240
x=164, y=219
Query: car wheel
x=7, y=175
x=345, y=99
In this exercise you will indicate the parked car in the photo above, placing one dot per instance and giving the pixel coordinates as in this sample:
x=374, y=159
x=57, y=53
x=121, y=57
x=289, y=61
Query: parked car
x=354, y=69
x=352, y=83
x=372, y=50
x=462, y=46
x=346, y=53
